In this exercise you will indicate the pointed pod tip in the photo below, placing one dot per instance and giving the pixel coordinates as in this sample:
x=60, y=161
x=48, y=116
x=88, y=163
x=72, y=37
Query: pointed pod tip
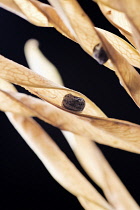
x=33, y=42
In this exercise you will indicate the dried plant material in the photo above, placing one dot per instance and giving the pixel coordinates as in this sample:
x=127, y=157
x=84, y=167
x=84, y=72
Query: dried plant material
x=16, y=72
x=29, y=11
x=128, y=37
x=12, y=7
x=131, y=10
x=53, y=19
x=123, y=47
x=10, y=104
x=85, y=32
x=49, y=114
x=128, y=76
x=106, y=131
x=85, y=150
x=4, y=85
x=56, y=161
x=81, y=24
x=113, y=130
x=32, y=52
x=119, y=20
x=40, y=86
x=36, y=141
x=134, y=135
x=100, y=171
x=78, y=22
x=32, y=13
x=12, y=101
x=112, y=4
x=88, y=205
x=130, y=79
x=84, y=119
x=37, y=13
x=38, y=62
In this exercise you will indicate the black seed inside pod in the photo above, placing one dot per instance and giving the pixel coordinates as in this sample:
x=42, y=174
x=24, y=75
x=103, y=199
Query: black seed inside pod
x=73, y=103
x=99, y=54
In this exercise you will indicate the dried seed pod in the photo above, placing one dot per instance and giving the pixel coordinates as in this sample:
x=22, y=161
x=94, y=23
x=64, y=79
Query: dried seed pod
x=99, y=54
x=73, y=103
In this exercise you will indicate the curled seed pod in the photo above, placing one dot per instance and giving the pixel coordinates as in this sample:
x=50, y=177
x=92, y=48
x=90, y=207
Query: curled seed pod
x=99, y=54
x=73, y=103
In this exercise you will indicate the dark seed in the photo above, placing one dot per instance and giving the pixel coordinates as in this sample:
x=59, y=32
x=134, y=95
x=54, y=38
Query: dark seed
x=73, y=103
x=99, y=54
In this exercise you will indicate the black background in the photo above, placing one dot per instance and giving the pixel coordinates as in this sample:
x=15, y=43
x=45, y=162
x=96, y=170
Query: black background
x=24, y=181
